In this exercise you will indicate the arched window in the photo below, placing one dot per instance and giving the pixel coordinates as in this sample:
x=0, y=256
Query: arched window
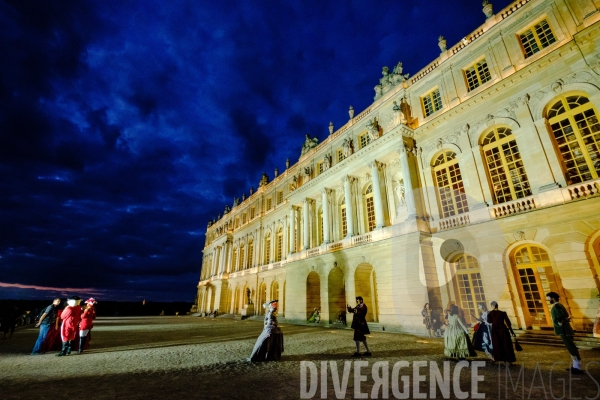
x=279, y=244
x=250, y=253
x=267, y=258
x=344, y=223
x=469, y=286
x=536, y=278
x=241, y=261
x=451, y=192
x=370, y=208
x=575, y=130
x=233, y=259
x=505, y=168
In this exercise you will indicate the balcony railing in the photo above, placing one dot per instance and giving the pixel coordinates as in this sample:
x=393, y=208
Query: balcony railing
x=582, y=190
x=513, y=207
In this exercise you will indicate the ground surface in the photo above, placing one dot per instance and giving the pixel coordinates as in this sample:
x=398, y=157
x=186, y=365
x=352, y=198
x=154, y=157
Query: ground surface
x=203, y=358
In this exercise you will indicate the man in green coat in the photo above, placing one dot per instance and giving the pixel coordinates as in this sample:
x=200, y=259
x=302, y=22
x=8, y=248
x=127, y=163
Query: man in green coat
x=562, y=327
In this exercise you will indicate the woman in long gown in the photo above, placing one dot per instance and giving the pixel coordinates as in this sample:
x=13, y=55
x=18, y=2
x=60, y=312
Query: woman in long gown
x=482, y=339
x=501, y=331
x=456, y=337
x=269, y=345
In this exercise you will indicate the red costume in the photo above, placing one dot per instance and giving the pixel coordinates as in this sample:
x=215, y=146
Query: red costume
x=87, y=318
x=71, y=316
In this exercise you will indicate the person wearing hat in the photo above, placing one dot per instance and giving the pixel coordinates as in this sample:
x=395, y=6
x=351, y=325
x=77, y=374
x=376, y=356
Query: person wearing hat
x=86, y=325
x=269, y=344
x=71, y=316
x=359, y=324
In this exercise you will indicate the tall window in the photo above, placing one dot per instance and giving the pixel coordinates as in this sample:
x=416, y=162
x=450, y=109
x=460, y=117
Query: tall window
x=250, y=254
x=243, y=218
x=252, y=212
x=469, y=286
x=321, y=226
x=269, y=203
x=504, y=165
x=536, y=278
x=340, y=155
x=536, y=38
x=280, y=197
x=364, y=139
x=267, y=248
x=241, y=261
x=320, y=168
x=370, y=206
x=451, y=192
x=234, y=259
x=477, y=74
x=279, y=244
x=432, y=102
x=344, y=222
x=575, y=129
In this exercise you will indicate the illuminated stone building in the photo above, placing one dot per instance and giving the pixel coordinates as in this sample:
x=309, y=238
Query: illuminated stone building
x=475, y=179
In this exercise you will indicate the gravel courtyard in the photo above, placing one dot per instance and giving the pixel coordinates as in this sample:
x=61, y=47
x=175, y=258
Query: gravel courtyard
x=203, y=358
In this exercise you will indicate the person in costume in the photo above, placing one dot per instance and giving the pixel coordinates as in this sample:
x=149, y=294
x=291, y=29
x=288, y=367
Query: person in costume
x=482, y=339
x=315, y=318
x=46, y=323
x=562, y=327
x=359, y=324
x=456, y=337
x=71, y=316
x=86, y=324
x=428, y=319
x=269, y=345
x=502, y=347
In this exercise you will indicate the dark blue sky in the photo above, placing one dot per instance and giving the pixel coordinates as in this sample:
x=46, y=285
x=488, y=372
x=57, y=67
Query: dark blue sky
x=126, y=125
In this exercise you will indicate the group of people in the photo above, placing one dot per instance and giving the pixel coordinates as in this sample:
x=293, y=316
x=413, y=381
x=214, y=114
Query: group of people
x=60, y=327
x=493, y=333
x=269, y=345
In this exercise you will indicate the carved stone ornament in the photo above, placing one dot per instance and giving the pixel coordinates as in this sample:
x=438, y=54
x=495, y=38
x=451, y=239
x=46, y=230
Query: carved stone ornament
x=519, y=235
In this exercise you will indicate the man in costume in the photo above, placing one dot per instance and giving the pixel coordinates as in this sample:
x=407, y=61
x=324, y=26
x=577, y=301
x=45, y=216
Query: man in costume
x=269, y=344
x=562, y=327
x=71, y=316
x=45, y=323
x=359, y=324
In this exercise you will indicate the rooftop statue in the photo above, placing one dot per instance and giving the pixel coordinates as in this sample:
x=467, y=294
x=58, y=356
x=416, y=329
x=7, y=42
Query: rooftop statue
x=236, y=201
x=389, y=80
x=264, y=180
x=309, y=144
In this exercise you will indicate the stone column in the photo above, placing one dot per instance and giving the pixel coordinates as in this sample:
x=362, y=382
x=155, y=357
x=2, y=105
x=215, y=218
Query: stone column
x=325, y=201
x=408, y=187
x=292, y=229
x=349, y=207
x=215, y=261
x=377, y=195
x=305, y=227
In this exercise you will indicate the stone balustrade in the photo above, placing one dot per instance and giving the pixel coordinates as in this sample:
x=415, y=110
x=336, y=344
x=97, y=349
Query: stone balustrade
x=454, y=221
x=581, y=190
x=513, y=207
x=364, y=238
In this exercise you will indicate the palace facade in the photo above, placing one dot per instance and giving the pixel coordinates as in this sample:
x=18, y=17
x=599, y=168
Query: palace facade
x=476, y=179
